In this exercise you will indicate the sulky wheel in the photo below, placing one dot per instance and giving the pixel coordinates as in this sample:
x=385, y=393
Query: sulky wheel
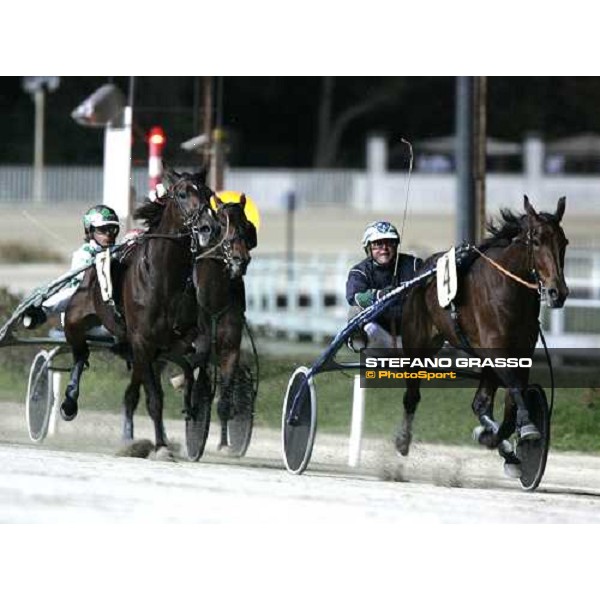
x=298, y=433
x=533, y=454
x=40, y=395
x=197, y=424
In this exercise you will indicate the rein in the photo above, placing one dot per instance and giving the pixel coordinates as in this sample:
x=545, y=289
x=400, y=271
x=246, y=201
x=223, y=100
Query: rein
x=531, y=286
x=167, y=236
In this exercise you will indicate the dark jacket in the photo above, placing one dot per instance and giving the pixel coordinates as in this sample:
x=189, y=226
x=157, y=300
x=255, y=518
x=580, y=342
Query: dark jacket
x=367, y=277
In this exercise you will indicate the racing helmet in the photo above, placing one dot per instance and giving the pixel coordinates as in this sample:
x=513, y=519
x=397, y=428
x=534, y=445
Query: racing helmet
x=98, y=216
x=379, y=230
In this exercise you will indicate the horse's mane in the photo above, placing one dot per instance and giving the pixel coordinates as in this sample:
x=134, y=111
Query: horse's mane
x=509, y=226
x=150, y=213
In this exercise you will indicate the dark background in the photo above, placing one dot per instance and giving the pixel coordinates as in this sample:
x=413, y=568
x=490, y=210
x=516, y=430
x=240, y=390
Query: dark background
x=296, y=121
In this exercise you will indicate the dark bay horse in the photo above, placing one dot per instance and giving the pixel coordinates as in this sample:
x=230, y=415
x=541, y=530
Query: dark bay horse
x=496, y=309
x=220, y=296
x=154, y=297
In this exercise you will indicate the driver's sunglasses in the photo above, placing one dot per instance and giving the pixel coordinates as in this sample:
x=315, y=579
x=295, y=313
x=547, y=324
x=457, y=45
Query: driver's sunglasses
x=382, y=243
x=108, y=230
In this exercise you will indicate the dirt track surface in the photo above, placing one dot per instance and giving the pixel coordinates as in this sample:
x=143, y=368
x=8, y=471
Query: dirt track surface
x=75, y=476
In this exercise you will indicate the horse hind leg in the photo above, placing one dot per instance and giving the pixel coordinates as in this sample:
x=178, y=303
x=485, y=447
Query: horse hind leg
x=411, y=399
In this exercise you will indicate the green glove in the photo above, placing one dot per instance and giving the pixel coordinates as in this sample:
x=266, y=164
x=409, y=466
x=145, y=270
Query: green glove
x=364, y=299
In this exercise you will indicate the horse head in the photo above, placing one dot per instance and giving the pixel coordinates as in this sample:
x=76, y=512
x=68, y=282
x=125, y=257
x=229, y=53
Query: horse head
x=547, y=244
x=239, y=235
x=186, y=195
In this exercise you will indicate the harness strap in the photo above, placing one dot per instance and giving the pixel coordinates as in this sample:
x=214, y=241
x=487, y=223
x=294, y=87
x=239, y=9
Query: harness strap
x=460, y=334
x=531, y=286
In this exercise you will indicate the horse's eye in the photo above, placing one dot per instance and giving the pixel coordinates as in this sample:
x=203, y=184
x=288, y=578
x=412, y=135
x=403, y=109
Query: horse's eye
x=181, y=195
x=205, y=229
x=536, y=242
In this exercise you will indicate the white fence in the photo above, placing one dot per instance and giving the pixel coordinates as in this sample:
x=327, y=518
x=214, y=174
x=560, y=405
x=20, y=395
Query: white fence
x=349, y=189
x=306, y=300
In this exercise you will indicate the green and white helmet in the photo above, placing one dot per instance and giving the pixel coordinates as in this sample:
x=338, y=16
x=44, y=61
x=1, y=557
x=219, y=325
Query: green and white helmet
x=379, y=230
x=98, y=216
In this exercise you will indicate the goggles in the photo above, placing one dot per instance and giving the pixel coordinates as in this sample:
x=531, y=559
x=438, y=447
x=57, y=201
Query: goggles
x=112, y=230
x=382, y=243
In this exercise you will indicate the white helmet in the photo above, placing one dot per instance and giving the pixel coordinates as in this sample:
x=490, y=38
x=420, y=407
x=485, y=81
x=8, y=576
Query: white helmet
x=379, y=230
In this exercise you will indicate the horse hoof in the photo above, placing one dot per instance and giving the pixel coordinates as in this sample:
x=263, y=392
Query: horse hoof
x=68, y=410
x=477, y=432
x=512, y=470
x=164, y=454
x=484, y=436
x=137, y=449
x=529, y=433
x=402, y=444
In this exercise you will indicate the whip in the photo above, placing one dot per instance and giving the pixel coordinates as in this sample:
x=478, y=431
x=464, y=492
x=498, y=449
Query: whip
x=410, y=168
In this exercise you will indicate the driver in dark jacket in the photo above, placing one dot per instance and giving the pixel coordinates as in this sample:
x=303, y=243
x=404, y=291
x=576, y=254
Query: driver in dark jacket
x=370, y=279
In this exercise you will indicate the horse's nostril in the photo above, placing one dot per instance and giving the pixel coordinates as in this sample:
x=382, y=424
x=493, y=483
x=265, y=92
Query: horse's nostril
x=553, y=293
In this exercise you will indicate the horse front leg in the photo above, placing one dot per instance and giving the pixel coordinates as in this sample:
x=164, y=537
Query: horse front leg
x=491, y=433
x=69, y=407
x=154, y=401
x=411, y=399
x=229, y=361
x=130, y=403
x=516, y=382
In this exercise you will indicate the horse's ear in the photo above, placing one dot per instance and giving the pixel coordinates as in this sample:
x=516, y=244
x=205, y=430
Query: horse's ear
x=560, y=208
x=243, y=200
x=201, y=175
x=528, y=207
x=169, y=176
x=218, y=201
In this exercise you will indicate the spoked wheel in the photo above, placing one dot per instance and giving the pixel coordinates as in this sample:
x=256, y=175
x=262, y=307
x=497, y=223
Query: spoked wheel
x=533, y=454
x=197, y=424
x=239, y=427
x=40, y=395
x=298, y=436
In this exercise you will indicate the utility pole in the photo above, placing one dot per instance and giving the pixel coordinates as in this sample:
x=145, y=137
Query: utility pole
x=207, y=112
x=480, y=154
x=471, y=153
x=465, y=207
x=218, y=142
x=39, y=99
x=37, y=86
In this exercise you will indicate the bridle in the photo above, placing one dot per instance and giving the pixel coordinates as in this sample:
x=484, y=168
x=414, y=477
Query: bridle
x=193, y=224
x=537, y=283
x=223, y=250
